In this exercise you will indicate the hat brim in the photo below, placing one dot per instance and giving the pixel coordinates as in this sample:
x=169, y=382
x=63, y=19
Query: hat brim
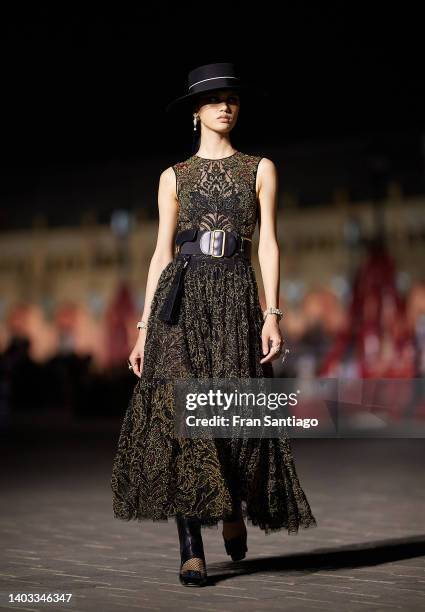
x=183, y=102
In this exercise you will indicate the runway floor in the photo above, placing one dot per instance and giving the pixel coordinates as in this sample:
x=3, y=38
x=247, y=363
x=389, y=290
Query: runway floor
x=59, y=536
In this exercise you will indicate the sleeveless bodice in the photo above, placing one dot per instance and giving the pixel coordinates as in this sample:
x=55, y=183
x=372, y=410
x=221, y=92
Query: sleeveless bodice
x=218, y=193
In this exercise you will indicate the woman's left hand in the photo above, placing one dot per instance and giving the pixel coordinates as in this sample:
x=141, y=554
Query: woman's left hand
x=271, y=334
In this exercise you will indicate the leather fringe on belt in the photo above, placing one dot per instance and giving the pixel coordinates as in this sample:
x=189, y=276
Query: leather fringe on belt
x=169, y=310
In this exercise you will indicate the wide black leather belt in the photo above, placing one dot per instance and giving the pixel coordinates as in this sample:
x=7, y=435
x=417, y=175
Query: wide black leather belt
x=216, y=243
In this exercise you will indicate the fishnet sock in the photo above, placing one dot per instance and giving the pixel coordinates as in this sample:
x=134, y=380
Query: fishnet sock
x=195, y=563
x=234, y=525
x=233, y=529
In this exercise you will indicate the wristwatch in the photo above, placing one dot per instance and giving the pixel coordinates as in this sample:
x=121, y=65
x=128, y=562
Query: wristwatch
x=271, y=310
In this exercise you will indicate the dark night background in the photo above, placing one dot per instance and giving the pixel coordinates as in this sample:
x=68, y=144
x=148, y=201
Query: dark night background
x=83, y=129
x=84, y=93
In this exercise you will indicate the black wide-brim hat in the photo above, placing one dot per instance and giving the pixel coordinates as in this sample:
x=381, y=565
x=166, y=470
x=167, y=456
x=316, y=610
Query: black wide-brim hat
x=209, y=77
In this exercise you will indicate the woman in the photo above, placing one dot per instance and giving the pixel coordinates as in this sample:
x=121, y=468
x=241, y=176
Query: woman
x=202, y=319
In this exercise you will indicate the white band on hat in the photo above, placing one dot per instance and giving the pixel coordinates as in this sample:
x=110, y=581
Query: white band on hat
x=212, y=79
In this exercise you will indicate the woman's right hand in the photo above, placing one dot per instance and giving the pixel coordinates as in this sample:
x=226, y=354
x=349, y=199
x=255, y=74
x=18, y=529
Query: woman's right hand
x=137, y=354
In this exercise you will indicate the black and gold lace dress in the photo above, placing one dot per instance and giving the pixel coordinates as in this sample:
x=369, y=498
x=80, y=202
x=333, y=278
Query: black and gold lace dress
x=157, y=475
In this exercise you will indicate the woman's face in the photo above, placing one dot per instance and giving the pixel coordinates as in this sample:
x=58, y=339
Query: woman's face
x=219, y=109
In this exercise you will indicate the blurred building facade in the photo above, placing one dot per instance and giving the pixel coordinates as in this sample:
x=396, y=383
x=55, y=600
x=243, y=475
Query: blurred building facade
x=352, y=291
x=320, y=247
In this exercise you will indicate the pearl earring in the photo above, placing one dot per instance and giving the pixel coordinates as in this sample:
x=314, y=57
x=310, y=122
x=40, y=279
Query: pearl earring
x=195, y=121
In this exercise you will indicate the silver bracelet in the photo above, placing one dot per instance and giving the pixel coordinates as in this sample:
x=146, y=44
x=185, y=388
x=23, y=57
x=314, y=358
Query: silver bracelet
x=271, y=310
x=141, y=324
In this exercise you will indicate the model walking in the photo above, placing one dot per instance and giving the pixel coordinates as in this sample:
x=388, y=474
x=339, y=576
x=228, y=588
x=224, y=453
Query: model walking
x=202, y=319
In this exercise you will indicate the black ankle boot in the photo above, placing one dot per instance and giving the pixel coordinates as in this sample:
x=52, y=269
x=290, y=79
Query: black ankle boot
x=191, y=546
x=236, y=547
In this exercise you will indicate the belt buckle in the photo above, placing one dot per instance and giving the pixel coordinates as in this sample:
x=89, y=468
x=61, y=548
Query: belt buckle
x=212, y=239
